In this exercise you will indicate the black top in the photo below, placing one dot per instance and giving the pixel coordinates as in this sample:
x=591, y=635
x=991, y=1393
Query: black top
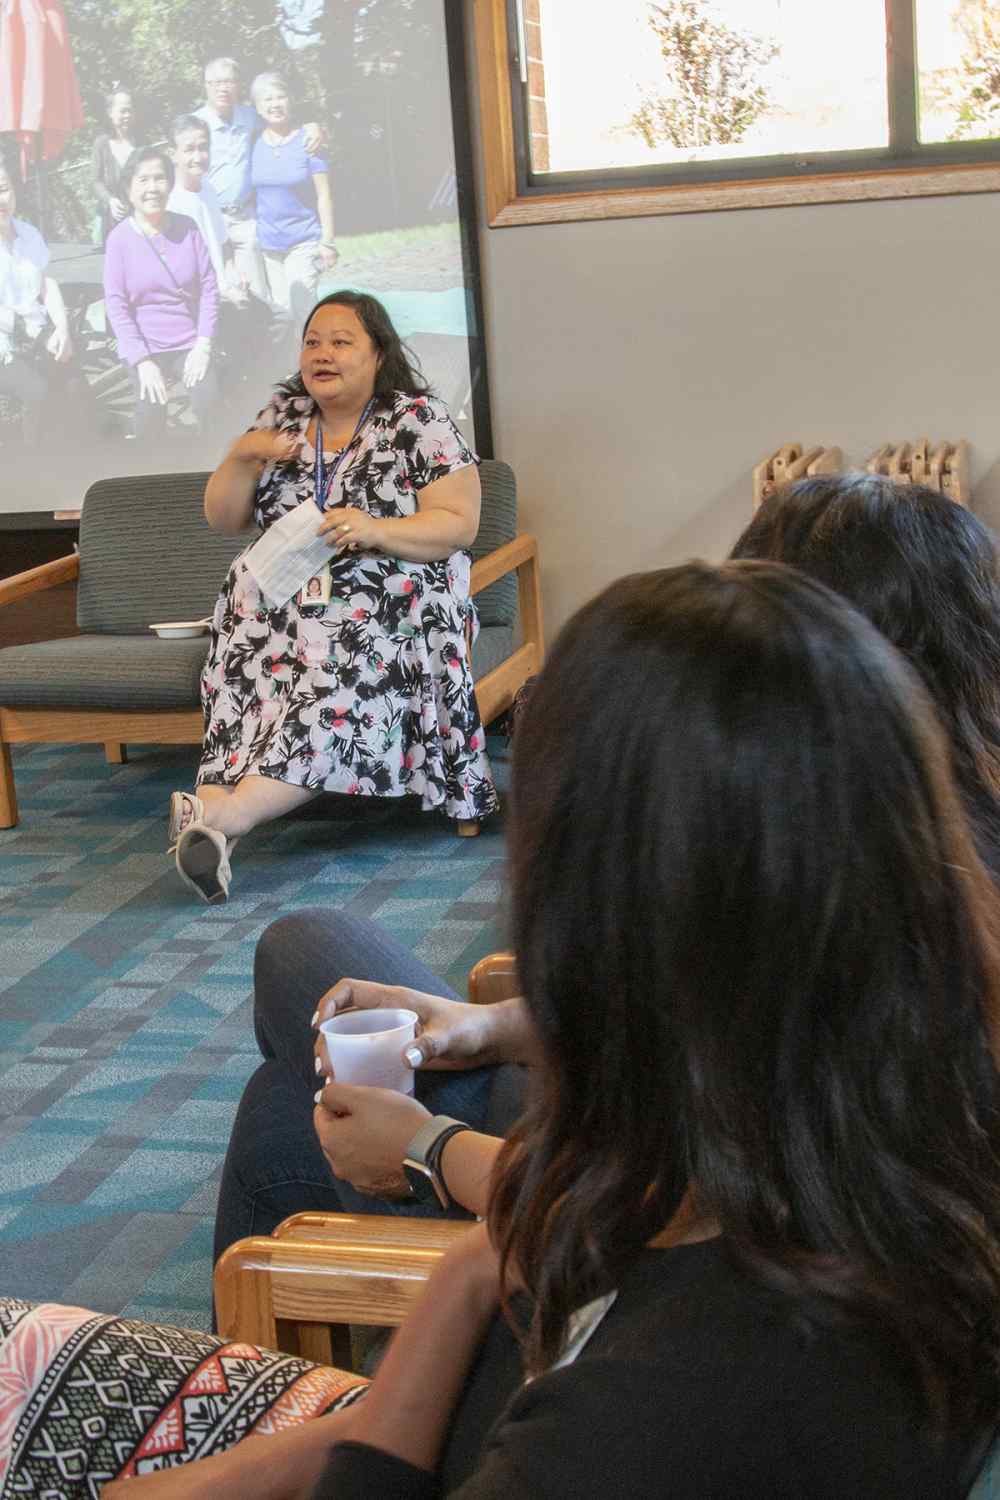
x=698, y=1385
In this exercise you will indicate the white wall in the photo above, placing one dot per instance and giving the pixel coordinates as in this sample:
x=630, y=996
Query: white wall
x=640, y=367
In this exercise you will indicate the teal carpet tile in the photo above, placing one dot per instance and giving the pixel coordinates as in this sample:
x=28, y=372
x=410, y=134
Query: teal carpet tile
x=125, y=1005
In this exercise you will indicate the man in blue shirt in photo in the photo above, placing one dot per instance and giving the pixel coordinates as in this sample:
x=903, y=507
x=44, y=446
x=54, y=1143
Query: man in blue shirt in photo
x=233, y=128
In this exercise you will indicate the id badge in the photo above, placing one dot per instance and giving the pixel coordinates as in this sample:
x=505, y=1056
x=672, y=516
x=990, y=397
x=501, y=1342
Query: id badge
x=315, y=592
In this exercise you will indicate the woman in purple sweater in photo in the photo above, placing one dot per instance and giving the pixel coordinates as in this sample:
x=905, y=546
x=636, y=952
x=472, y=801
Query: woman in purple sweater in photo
x=161, y=296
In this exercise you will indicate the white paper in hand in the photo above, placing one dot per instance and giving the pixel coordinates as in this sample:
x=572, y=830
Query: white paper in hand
x=288, y=554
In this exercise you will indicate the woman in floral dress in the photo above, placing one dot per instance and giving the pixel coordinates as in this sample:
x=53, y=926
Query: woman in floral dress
x=368, y=691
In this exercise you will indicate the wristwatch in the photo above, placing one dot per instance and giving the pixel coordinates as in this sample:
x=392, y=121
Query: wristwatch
x=422, y=1158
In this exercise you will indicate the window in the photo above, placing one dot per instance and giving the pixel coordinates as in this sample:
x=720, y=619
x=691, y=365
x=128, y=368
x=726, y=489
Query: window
x=662, y=106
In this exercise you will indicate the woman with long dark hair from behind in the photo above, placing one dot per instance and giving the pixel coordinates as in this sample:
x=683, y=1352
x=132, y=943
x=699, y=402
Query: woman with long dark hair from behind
x=924, y=570
x=755, y=1202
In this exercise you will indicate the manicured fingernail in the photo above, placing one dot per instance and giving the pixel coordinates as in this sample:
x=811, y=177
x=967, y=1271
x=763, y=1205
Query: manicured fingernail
x=317, y=1096
x=414, y=1056
x=315, y=1019
x=318, y=1066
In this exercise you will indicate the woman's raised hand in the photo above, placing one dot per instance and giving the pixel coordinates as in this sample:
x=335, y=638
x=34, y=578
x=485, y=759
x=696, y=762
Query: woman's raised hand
x=268, y=445
x=452, y=1033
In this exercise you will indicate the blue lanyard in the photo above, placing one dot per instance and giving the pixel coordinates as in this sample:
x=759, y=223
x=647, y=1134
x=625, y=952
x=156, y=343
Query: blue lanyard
x=324, y=482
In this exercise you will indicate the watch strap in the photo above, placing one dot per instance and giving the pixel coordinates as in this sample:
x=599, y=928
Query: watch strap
x=424, y=1152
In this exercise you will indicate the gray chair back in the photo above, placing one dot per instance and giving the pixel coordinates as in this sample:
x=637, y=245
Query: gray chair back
x=148, y=554
x=497, y=605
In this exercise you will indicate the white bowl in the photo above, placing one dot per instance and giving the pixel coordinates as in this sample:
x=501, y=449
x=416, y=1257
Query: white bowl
x=172, y=629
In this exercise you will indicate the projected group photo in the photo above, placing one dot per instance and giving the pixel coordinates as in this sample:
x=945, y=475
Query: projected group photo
x=179, y=184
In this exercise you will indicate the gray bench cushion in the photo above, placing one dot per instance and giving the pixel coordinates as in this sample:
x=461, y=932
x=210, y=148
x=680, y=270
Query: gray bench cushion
x=103, y=671
x=148, y=554
x=143, y=672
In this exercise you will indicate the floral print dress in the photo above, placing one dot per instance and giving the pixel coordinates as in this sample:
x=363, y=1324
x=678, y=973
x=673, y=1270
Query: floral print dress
x=370, y=693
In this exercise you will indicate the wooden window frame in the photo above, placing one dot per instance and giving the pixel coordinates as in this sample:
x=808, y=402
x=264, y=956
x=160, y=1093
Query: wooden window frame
x=508, y=204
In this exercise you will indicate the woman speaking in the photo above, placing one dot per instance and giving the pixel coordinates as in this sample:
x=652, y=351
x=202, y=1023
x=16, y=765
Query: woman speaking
x=367, y=687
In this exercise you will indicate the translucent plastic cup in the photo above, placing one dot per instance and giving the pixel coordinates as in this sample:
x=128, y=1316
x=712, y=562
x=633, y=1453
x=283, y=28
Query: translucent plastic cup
x=367, y=1046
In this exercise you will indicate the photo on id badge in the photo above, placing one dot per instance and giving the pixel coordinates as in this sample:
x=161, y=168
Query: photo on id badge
x=316, y=590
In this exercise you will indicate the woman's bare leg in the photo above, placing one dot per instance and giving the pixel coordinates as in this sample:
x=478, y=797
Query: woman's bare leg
x=234, y=810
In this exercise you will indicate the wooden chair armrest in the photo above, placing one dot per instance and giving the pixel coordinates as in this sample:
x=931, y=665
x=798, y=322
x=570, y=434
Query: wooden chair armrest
x=47, y=576
x=494, y=978
x=505, y=559
x=395, y=1231
x=362, y=1271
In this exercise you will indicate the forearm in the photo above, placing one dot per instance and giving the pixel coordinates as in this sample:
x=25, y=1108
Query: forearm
x=429, y=536
x=100, y=186
x=466, y=1168
x=208, y=301
x=284, y=1466
x=54, y=304
x=229, y=494
x=324, y=206
x=512, y=1038
x=132, y=347
x=408, y=1409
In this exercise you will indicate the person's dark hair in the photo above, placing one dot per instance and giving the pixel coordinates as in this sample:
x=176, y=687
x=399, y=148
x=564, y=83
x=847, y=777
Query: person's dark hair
x=756, y=945
x=139, y=157
x=924, y=570
x=397, y=369
x=112, y=95
x=181, y=123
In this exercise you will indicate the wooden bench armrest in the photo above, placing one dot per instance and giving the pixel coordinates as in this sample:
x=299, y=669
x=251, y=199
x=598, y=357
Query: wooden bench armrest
x=350, y=1231
x=494, y=978
x=505, y=559
x=47, y=576
x=365, y=1269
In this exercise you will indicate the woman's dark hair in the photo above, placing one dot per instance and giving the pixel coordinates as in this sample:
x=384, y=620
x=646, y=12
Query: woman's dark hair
x=757, y=947
x=112, y=95
x=139, y=157
x=396, y=370
x=924, y=570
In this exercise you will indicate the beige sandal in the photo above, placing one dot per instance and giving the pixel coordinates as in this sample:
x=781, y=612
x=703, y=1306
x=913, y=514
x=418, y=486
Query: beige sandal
x=203, y=862
x=185, y=808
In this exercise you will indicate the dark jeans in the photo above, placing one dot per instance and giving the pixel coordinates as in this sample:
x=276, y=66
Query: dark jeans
x=150, y=420
x=274, y=1166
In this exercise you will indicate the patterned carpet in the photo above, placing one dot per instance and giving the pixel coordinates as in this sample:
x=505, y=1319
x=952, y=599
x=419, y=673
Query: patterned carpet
x=125, y=1034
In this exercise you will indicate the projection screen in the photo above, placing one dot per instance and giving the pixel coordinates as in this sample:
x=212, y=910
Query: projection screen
x=314, y=144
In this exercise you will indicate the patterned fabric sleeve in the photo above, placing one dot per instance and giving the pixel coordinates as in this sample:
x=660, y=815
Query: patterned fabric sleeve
x=283, y=411
x=433, y=444
x=268, y=417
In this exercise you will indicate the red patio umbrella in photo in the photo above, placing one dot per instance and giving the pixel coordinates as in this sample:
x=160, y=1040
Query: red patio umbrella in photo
x=39, y=94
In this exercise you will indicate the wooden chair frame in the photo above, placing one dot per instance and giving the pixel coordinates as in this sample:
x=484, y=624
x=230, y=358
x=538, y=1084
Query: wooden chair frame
x=117, y=728
x=286, y=1289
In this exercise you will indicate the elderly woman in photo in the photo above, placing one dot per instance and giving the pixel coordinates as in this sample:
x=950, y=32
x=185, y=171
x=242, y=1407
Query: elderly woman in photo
x=370, y=693
x=111, y=151
x=34, y=329
x=161, y=295
x=294, y=203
